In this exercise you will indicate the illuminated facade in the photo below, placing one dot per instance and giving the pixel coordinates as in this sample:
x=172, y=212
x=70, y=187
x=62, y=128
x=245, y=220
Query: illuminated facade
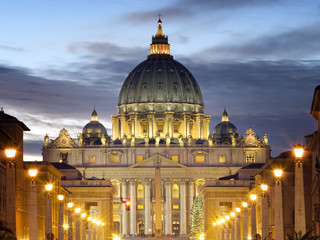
x=160, y=118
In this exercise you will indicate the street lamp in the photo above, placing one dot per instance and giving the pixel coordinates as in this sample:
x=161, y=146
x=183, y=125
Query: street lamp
x=10, y=210
x=245, y=220
x=299, y=202
x=61, y=206
x=279, y=232
x=33, y=207
x=70, y=220
x=48, y=221
x=253, y=198
x=264, y=211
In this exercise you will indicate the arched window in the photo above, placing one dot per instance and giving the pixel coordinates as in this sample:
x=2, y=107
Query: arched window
x=140, y=193
x=175, y=191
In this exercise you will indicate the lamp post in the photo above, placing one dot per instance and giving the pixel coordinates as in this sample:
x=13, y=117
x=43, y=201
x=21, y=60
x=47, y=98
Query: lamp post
x=279, y=232
x=94, y=229
x=83, y=225
x=77, y=223
x=33, y=205
x=60, y=223
x=264, y=211
x=232, y=215
x=245, y=220
x=227, y=227
x=48, y=222
x=219, y=230
x=11, y=189
x=89, y=228
x=299, y=204
x=238, y=232
x=253, y=198
x=70, y=221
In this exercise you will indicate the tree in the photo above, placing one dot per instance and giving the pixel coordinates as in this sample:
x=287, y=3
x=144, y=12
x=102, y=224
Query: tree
x=197, y=218
x=5, y=232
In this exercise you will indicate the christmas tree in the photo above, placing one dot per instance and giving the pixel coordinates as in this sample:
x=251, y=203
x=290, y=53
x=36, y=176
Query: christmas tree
x=197, y=218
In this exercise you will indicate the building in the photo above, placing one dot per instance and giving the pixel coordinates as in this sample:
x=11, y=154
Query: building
x=313, y=144
x=160, y=120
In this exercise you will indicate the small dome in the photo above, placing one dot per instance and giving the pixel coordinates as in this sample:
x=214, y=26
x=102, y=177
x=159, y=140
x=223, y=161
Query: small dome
x=225, y=131
x=94, y=131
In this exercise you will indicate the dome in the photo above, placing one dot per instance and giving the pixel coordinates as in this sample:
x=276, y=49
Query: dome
x=225, y=131
x=160, y=83
x=94, y=131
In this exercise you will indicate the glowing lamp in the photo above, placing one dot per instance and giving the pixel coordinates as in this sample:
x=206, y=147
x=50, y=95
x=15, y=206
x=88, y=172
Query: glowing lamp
x=49, y=187
x=222, y=220
x=201, y=237
x=70, y=204
x=10, y=152
x=77, y=210
x=89, y=219
x=65, y=226
x=264, y=187
x=33, y=172
x=83, y=215
x=227, y=217
x=218, y=222
x=298, y=150
x=94, y=220
x=277, y=173
x=244, y=204
x=214, y=224
x=238, y=210
x=232, y=214
x=115, y=237
x=98, y=223
x=253, y=197
x=60, y=197
x=102, y=224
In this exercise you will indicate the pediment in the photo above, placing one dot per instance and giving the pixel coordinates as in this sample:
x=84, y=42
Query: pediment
x=155, y=159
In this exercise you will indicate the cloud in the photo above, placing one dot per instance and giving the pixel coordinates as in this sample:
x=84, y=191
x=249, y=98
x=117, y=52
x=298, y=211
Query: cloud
x=300, y=43
x=12, y=49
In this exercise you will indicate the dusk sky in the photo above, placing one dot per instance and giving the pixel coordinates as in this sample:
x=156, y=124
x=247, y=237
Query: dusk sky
x=259, y=58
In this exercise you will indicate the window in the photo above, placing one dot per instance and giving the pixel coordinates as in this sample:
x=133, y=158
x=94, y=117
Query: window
x=140, y=207
x=250, y=157
x=160, y=125
x=222, y=159
x=175, y=206
x=225, y=207
x=199, y=159
x=114, y=159
x=175, y=158
x=139, y=158
x=92, y=159
x=175, y=191
x=140, y=194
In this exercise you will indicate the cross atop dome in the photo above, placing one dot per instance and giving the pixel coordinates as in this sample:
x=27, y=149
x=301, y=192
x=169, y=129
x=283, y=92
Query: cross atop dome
x=159, y=43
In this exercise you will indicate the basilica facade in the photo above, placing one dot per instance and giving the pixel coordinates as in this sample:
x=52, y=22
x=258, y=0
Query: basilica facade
x=161, y=120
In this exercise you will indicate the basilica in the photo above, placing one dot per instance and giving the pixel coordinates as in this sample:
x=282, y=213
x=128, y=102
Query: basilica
x=160, y=120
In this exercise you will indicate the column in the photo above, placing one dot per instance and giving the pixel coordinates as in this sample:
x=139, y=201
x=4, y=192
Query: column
x=227, y=224
x=133, y=209
x=33, y=211
x=94, y=231
x=169, y=120
x=279, y=234
x=124, y=222
x=183, y=212
x=232, y=220
x=122, y=126
x=190, y=196
x=201, y=127
x=89, y=230
x=78, y=231
x=238, y=232
x=60, y=228
x=70, y=223
x=11, y=195
x=48, y=220
x=168, y=228
x=265, y=216
x=147, y=212
x=150, y=118
x=245, y=223
x=83, y=228
x=115, y=127
x=253, y=220
x=299, y=205
x=187, y=122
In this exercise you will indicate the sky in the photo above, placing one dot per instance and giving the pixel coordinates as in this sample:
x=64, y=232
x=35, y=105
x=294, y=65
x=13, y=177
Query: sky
x=259, y=59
